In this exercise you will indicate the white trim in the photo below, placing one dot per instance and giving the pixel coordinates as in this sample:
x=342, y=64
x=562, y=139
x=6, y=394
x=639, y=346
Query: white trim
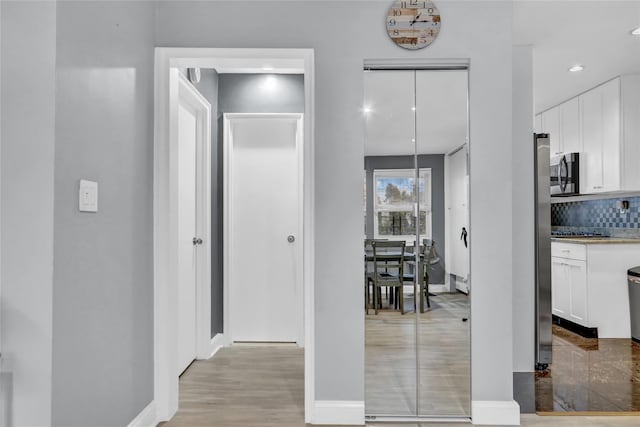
x=229, y=215
x=165, y=382
x=495, y=412
x=201, y=108
x=146, y=418
x=216, y=343
x=338, y=412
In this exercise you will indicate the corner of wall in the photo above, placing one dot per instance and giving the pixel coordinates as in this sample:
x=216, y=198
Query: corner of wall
x=338, y=412
x=495, y=412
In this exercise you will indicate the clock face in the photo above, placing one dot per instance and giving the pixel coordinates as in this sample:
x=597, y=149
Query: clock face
x=413, y=24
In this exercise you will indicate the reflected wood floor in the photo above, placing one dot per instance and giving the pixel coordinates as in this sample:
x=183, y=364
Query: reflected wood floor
x=590, y=374
x=444, y=353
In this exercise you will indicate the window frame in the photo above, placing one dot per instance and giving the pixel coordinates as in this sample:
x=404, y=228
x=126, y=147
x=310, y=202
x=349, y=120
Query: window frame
x=424, y=174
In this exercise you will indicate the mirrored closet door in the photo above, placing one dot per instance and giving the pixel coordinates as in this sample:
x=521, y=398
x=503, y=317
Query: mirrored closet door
x=416, y=244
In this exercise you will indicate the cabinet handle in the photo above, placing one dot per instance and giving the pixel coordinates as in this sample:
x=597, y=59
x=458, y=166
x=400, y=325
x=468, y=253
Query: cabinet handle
x=597, y=187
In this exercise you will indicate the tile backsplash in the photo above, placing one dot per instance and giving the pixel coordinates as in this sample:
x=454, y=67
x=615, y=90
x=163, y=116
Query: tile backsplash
x=601, y=216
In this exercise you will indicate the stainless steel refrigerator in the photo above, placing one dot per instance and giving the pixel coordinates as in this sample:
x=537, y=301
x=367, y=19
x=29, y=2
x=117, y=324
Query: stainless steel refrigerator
x=543, y=250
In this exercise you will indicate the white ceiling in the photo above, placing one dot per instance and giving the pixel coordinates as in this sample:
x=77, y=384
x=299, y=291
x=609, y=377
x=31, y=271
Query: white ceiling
x=440, y=121
x=595, y=34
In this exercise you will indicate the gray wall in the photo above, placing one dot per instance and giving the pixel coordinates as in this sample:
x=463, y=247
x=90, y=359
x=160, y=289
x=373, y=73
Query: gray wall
x=339, y=150
x=28, y=54
x=208, y=87
x=103, y=275
x=523, y=211
x=103, y=300
x=436, y=163
x=246, y=93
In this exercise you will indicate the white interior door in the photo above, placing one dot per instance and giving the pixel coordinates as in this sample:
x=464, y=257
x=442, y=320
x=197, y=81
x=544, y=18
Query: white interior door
x=264, y=276
x=187, y=131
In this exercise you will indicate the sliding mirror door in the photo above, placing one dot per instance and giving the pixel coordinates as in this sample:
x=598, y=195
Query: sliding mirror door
x=443, y=344
x=390, y=344
x=417, y=361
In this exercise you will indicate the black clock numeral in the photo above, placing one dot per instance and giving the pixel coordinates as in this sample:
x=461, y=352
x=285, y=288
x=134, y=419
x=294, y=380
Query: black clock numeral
x=430, y=11
x=403, y=4
x=413, y=2
x=392, y=22
x=396, y=32
x=424, y=4
x=397, y=12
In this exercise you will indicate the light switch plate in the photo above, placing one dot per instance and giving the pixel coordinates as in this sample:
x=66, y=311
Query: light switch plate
x=88, y=196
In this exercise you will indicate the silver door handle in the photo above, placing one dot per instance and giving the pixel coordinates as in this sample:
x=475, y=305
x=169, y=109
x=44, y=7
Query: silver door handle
x=197, y=241
x=291, y=238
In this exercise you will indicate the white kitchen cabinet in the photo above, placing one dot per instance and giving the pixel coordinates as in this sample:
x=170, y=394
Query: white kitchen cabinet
x=577, y=279
x=570, y=140
x=559, y=289
x=592, y=136
x=610, y=131
x=537, y=124
x=602, y=125
x=551, y=125
x=589, y=286
x=569, y=283
x=600, y=163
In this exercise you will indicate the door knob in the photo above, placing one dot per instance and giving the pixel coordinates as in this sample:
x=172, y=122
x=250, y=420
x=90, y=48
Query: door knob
x=291, y=238
x=197, y=241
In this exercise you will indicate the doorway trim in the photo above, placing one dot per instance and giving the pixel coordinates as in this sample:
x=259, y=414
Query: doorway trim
x=229, y=215
x=164, y=196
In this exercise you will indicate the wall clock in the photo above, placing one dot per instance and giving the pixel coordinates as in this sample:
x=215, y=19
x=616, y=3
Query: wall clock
x=413, y=24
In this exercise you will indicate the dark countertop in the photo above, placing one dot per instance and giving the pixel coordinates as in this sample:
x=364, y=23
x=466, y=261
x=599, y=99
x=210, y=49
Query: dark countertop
x=594, y=240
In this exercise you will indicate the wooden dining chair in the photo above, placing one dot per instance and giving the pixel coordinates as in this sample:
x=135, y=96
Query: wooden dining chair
x=388, y=267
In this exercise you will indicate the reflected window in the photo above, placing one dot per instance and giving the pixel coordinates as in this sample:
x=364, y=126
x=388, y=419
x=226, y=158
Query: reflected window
x=394, y=203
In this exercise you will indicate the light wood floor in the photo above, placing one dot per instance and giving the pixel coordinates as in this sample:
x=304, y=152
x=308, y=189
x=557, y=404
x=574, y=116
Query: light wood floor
x=444, y=354
x=263, y=386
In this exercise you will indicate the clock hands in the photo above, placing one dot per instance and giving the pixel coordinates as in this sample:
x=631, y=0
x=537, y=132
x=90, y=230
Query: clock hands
x=415, y=19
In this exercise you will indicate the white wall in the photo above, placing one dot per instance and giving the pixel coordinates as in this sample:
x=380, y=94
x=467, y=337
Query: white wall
x=28, y=56
x=343, y=35
x=523, y=211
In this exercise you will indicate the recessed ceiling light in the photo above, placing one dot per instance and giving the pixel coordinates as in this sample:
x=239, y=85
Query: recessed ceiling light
x=576, y=68
x=366, y=110
x=413, y=108
x=635, y=32
x=267, y=68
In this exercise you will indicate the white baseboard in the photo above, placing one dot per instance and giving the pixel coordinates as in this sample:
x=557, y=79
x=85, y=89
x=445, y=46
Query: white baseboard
x=217, y=342
x=146, y=418
x=495, y=412
x=437, y=288
x=340, y=412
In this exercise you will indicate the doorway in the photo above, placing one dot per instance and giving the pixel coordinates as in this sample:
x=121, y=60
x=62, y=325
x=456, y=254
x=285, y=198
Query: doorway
x=231, y=61
x=263, y=155
x=417, y=309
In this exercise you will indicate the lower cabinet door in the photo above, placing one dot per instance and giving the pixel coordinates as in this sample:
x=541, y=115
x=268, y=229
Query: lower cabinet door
x=560, y=289
x=577, y=275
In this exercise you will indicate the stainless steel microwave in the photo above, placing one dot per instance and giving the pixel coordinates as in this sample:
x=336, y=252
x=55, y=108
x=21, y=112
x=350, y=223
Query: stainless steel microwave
x=564, y=171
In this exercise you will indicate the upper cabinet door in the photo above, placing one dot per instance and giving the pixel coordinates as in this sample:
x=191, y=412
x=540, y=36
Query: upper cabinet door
x=570, y=126
x=537, y=124
x=611, y=135
x=592, y=132
x=551, y=123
